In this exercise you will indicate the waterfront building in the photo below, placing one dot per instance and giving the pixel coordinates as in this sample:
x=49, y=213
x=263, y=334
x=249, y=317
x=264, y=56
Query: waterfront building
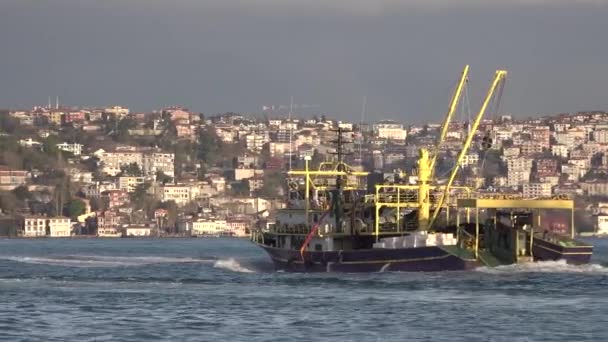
x=59, y=226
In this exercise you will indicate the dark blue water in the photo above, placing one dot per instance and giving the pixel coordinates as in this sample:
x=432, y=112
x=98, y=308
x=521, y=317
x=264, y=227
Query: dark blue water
x=225, y=290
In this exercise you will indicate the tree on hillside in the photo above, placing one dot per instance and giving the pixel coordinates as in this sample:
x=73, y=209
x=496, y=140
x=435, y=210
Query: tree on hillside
x=9, y=203
x=122, y=129
x=240, y=188
x=74, y=208
x=8, y=124
x=139, y=194
x=209, y=146
x=273, y=182
x=162, y=178
x=22, y=193
x=131, y=169
x=49, y=145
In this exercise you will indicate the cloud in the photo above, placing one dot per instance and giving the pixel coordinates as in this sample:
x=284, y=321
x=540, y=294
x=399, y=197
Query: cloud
x=375, y=8
x=379, y=6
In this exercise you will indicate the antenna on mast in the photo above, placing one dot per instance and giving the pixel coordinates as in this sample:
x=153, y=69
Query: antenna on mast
x=57, y=102
x=363, y=108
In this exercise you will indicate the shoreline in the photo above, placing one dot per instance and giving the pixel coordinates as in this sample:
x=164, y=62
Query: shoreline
x=79, y=237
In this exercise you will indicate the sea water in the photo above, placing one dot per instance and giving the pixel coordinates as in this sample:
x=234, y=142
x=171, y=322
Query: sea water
x=227, y=290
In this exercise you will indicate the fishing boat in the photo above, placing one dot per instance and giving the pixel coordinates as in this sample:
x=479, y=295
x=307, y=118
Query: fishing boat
x=339, y=218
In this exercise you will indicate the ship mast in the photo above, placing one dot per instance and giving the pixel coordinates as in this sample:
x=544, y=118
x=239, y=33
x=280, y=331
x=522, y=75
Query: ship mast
x=338, y=193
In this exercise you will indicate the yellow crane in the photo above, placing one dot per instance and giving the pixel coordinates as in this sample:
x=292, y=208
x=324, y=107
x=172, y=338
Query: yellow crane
x=499, y=77
x=448, y=117
x=426, y=162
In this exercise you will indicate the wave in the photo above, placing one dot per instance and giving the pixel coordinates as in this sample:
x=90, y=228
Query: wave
x=232, y=265
x=558, y=266
x=102, y=261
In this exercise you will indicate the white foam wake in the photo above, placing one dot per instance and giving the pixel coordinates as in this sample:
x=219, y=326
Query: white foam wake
x=101, y=261
x=559, y=266
x=231, y=265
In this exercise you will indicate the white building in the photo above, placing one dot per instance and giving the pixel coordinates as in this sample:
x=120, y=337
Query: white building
x=519, y=164
x=76, y=149
x=137, y=230
x=600, y=136
x=398, y=134
x=565, y=138
x=149, y=162
x=128, y=183
x=34, y=227
x=182, y=194
x=471, y=159
x=602, y=224
x=59, y=227
x=345, y=125
x=207, y=227
x=278, y=149
x=179, y=194
x=30, y=143
x=537, y=190
x=219, y=183
x=510, y=152
x=390, y=130
x=517, y=177
x=560, y=151
x=117, y=110
x=245, y=173
x=255, y=141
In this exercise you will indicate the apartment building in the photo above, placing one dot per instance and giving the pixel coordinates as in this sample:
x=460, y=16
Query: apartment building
x=128, y=183
x=561, y=151
x=182, y=194
x=149, y=162
x=600, y=136
x=115, y=198
x=255, y=141
x=537, y=190
x=11, y=178
x=530, y=148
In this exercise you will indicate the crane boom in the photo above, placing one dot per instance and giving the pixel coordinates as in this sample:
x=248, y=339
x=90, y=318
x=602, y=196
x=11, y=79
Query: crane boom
x=498, y=78
x=450, y=113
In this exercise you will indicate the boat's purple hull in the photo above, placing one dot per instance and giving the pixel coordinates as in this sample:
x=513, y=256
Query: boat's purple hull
x=422, y=259
x=544, y=250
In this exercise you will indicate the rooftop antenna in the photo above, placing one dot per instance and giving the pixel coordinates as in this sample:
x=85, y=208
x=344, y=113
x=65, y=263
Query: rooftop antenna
x=363, y=108
x=290, y=129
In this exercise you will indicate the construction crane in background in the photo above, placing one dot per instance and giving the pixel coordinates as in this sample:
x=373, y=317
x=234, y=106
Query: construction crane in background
x=497, y=83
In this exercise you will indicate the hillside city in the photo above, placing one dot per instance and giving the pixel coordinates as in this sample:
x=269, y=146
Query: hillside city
x=110, y=172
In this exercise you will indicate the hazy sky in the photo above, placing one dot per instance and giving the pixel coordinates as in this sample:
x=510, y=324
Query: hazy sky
x=228, y=55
